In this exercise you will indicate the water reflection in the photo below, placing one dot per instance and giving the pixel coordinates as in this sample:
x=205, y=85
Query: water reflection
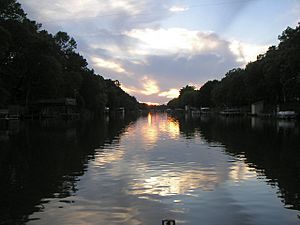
x=103, y=158
x=148, y=131
x=45, y=160
x=158, y=125
x=165, y=174
x=269, y=147
x=212, y=170
x=168, y=183
x=241, y=171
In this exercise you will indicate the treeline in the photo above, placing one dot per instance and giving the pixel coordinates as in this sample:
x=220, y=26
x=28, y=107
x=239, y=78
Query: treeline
x=273, y=78
x=35, y=65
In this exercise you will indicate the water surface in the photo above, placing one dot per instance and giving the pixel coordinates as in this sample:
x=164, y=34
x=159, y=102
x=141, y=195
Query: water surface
x=132, y=171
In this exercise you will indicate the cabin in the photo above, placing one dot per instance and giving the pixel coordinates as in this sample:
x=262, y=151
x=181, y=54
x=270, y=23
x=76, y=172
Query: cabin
x=12, y=113
x=286, y=114
x=55, y=108
x=120, y=111
x=205, y=110
x=231, y=112
x=3, y=113
x=257, y=108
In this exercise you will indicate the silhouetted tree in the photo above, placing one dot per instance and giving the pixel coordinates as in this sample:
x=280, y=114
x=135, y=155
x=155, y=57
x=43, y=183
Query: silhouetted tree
x=36, y=65
x=274, y=78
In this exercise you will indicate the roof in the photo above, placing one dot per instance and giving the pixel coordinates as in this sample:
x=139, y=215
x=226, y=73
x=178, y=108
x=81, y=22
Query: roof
x=57, y=101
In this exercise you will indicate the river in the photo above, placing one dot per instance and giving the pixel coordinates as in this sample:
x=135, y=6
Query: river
x=139, y=171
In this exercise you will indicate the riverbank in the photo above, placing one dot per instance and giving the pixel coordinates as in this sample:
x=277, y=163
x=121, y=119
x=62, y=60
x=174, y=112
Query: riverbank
x=283, y=111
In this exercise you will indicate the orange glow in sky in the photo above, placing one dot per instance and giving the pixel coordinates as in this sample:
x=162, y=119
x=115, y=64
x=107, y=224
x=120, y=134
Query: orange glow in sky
x=152, y=103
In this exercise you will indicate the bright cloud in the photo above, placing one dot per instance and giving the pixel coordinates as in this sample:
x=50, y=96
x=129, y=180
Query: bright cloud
x=246, y=52
x=98, y=62
x=167, y=54
x=144, y=86
x=177, y=8
x=150, y=86
x=130, y=89
x=151, y=103
x=172, y=93
x=78, y=9
x=172, y=40
x=148, y=37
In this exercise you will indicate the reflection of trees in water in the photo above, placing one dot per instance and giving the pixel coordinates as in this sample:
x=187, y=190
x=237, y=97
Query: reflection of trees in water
x=44, y=160
x=268, y=146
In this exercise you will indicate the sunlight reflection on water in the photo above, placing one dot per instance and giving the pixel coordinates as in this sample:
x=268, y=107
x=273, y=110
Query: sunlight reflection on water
x=181, y=173
x=154, y=171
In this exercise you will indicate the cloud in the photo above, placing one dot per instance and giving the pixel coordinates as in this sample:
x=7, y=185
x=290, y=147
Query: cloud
x=171, y=93
x=177, y=8
x=151, y=58
x=126, y=40
x=129, y=89
x=102, y=63
x=116, y=15
x=246, y=52
x=152, y=103
x=143, y=86
x=150, y=86
x=170, y=41
x=84, y=9
x=181, y=55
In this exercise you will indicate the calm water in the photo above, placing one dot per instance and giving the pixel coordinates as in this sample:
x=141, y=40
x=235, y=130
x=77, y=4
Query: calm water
x=142, y=170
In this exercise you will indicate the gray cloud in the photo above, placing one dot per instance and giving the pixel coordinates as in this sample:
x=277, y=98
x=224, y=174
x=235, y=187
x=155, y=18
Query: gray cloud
x=170, y=70
x=115, y=40
x=183, y=69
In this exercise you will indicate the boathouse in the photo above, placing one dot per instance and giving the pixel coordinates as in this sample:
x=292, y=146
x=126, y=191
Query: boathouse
x=53, y=108
x=257, y=108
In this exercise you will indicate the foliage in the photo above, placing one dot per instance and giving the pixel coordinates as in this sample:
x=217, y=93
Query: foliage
x=274, y=78
x=36, y=65
x=204, y=95
x=117, y=98
x=10, y=9
x=187, y=96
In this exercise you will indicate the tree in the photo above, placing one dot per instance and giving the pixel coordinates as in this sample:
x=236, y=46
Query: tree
x=5, y=41
x=65, y=42
x=274, y=78
x=36, y=65
x=117, y=98
x=11, y=10
x=204, y=95
x=92, y=91
x=185, y=89
x=174, y=103
x=45, y=80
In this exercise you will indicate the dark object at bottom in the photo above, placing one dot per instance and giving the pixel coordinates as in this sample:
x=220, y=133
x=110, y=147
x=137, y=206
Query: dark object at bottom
x=168, y=222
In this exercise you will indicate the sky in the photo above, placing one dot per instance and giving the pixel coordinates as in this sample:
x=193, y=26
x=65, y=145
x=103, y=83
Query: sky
x=156, y=47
